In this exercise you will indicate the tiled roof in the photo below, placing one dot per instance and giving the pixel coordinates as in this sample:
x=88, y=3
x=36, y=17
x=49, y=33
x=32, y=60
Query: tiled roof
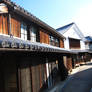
x=17, y=44
x=8, y=42
x=79, y=51
x=64, y=28
x=88, y=39
x=30, y=16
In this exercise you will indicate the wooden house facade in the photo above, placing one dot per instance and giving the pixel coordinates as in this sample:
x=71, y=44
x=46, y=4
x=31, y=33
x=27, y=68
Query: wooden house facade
x=31, y=52
x=75, y=41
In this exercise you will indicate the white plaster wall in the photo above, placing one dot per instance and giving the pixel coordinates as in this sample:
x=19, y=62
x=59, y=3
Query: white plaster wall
x=87, y=46
x=66, y=43
x=82, y=45
x=71, y=33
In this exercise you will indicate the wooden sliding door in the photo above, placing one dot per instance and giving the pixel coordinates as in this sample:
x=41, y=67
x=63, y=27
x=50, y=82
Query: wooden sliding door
x=8, y=75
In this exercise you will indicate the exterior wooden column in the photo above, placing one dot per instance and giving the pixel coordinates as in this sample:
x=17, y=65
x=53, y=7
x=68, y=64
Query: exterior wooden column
x=73, y=61
x=65, y=61
x=9, y=21
x=69, y=63
x=63, y=72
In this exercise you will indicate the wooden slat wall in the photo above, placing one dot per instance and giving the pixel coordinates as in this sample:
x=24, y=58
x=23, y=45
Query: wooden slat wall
x=65, y=61
x=61, y=43
x=35, y=78
x=42, y=75
x=44, y=37
x=38, y=77
x=0, y=24
x=3, y=24
x=24, y=80
x=9, y=72
x=15, y=27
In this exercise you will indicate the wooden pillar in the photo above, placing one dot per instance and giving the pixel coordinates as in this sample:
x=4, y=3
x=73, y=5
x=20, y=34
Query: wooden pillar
x=69, y=63
x=9, y=22
x=63, y=73
x=73, y=61
x=65, y=61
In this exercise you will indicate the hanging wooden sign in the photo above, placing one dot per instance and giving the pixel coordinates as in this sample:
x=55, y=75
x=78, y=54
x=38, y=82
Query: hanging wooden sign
x=3, y=8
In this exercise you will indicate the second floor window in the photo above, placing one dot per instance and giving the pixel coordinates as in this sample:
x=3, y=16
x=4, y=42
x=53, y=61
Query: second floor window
x=56, y=42
x=51, y=40
x=24, y=31
x=74, y=43
x=33, y=34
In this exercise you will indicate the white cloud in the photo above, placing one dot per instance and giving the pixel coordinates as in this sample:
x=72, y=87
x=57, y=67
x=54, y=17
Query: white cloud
x=84, y=20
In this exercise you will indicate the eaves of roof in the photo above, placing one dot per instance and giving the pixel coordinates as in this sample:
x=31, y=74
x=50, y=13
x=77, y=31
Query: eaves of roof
x=12, y=43
x=21, y=11
x=65, y=28
x=79, y=51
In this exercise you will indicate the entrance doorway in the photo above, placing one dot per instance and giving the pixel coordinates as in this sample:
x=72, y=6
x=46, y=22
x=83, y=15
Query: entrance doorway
x=8, y=78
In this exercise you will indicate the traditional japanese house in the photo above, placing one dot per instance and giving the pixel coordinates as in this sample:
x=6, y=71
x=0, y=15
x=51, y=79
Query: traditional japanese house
x=88, y=46
x=75, y=41
x=29, y=51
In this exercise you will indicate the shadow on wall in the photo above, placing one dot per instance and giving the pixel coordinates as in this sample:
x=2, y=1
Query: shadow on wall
x=55, y=76
x=63, y=71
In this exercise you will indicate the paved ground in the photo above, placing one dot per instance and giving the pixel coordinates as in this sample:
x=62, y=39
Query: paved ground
x=79, y=81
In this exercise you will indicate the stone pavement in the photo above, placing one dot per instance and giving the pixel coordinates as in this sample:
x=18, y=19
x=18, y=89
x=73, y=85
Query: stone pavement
x=80, y=80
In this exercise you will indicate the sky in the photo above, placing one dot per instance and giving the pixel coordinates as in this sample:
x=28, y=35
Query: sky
x=57, y=13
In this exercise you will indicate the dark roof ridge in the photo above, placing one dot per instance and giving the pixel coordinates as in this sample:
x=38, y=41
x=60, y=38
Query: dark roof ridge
x=65, y=26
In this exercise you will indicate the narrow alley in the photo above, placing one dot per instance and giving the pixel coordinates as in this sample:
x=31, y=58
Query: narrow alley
x=81, y=81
